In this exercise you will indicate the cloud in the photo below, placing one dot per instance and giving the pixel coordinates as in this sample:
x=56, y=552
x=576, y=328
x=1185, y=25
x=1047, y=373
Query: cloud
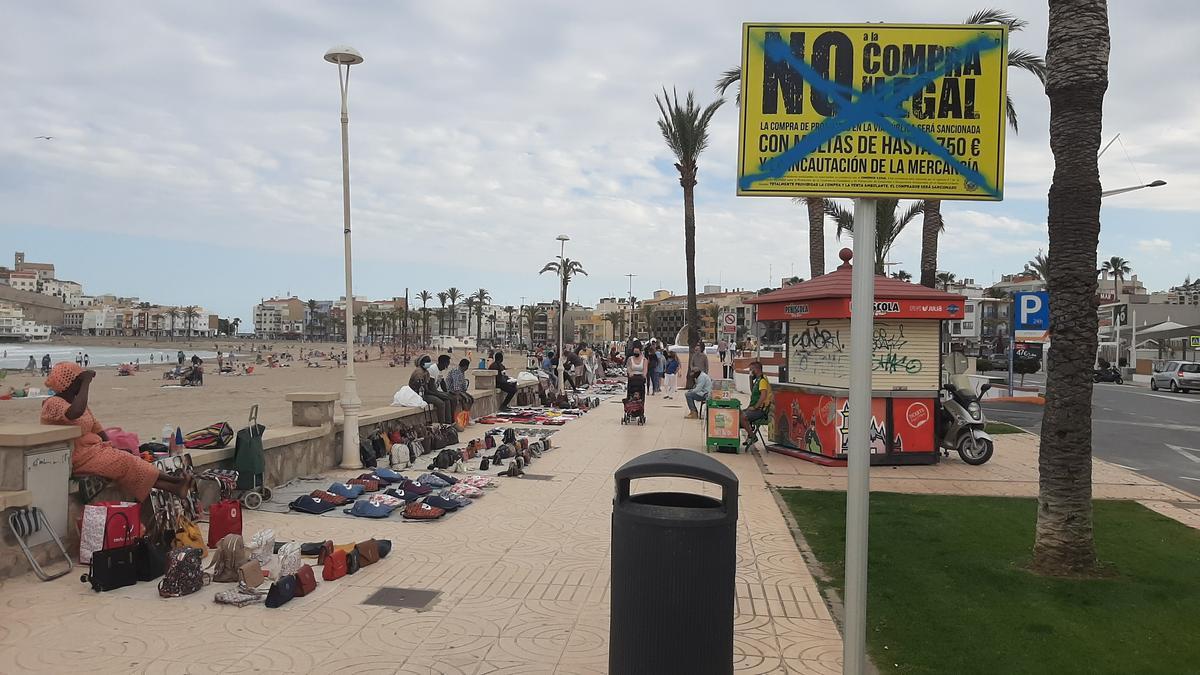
x=478, y=132
x=1154, y=246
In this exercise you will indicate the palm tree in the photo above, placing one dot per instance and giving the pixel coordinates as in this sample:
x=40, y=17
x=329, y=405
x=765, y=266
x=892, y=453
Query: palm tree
x=454, y=294
x=529, y=314
x=565, y=268
x=685, y=130
x=482, y=298
x=233, y=326
x=425, y=297
x=1037, y=266
x=945, y=279
x=617, y=319
x=902, y=276
x=469, y=303
x=509, y=310
x=442, y=298
x=1077, y=49
x=1118, y=267
x=492, y=322
x=312, y=314
x=190, y=313
x=888, y=224
x=174, y=313
x=648, y=319
x=932, y=224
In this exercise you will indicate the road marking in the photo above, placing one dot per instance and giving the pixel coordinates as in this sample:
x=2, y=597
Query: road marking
x=1189, y=478
x=1123, y=466
x=1184, y=451
x=1174, y=427
x=1175, y=398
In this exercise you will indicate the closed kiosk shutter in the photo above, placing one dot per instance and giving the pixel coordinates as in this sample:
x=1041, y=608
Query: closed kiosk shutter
x=904, y=356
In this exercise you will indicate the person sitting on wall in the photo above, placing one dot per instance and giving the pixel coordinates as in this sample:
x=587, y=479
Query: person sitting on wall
x=761, y=398
x=503, y=382
x=421, y=382
x=93, y=454
x=700, y=392
x=456, y=382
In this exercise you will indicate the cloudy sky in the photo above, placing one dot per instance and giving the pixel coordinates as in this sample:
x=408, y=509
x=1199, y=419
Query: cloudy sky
x=196, y=154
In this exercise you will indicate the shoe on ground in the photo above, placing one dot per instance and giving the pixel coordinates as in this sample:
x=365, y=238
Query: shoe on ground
x=692, y=416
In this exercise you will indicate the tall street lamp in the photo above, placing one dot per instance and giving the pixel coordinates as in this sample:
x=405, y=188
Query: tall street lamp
x=343, y=55
x=562, y=303
x=630, y=332
x=1121, y=191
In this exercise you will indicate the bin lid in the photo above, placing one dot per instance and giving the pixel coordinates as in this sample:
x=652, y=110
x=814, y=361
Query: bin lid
x=679, y=463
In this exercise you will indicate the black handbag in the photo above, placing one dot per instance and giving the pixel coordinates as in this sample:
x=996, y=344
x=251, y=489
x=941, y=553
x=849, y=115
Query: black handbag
x=150, y=561
x=115, y=567
x=352, y=562
x=282, y=591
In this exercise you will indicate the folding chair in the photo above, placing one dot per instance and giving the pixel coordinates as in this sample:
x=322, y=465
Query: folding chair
x=25, y=522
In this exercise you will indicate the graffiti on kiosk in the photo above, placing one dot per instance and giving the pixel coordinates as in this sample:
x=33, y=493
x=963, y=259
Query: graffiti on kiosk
x=814, y=338
x=887, y=346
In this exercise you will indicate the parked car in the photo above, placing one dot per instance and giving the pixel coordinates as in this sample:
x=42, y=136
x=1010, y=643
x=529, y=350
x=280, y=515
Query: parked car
x=1176, y=376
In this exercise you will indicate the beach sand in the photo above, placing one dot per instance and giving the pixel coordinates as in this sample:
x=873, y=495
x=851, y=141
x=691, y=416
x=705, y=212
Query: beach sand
x=139, y=403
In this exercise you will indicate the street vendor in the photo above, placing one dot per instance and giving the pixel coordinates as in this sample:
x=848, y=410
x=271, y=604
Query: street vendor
x=760, y=401
x=93, y=454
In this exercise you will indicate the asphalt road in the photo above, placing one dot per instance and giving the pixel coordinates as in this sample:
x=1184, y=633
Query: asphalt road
x=1154, y=433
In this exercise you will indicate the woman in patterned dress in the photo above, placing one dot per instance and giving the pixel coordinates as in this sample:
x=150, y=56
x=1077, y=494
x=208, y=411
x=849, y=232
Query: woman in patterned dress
x=93, y=454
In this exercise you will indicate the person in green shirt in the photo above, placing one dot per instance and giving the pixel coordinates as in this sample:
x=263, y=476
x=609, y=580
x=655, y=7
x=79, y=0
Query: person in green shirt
x=760, y=401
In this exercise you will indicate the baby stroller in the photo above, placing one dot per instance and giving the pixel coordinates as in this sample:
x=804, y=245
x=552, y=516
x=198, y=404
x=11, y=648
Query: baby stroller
x=635, y=401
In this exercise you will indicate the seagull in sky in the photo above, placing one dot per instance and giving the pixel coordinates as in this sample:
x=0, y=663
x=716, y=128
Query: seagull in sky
x=45, y=138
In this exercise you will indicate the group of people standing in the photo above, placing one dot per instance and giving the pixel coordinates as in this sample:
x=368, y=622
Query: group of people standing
x=658, y=366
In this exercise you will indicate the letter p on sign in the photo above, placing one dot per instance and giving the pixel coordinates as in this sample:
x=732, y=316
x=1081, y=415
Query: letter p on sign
x=1033, y=311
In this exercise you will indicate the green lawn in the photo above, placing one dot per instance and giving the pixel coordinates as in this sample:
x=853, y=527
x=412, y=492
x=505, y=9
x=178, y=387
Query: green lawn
x=948, y=592
x=1001, y=428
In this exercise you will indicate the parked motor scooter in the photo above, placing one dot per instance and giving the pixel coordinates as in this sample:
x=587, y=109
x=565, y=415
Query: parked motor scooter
x=963, y=424
x=1109, y=374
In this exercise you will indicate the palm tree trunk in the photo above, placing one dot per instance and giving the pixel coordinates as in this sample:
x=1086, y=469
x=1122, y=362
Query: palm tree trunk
x=931, y=226
x=816, y=236
x=689, y=251
x=1076, y=79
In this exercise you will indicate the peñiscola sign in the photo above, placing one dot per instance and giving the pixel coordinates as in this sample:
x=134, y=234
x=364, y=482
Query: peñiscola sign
x=873, y=110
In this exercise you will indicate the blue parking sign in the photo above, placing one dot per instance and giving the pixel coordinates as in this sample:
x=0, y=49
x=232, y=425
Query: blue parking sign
x=1033, y=311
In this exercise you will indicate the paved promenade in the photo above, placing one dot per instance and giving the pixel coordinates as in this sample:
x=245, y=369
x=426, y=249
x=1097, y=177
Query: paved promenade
x=523, y=576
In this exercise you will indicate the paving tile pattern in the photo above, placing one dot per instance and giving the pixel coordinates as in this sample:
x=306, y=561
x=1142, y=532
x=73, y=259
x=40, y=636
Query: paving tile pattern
x=523, y=576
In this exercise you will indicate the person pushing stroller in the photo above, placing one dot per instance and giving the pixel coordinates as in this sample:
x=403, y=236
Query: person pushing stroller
x=635, y=390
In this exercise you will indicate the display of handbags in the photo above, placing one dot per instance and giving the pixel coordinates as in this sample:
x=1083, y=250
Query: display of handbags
x=114, y=568
x=224, y=517
x=306, y=581
x=281, y=592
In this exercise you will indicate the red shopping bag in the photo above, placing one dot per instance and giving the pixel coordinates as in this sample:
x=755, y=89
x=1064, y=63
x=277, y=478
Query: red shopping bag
x=224, y=517
x=99, y=530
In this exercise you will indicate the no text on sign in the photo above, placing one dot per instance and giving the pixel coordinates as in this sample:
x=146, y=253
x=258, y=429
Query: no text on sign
x=873, y=110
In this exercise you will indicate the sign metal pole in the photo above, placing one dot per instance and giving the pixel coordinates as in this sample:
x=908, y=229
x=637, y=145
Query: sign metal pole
x=1012, y=341
x=862, y=317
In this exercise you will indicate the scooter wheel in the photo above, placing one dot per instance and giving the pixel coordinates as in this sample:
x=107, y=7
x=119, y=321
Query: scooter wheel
x=1120, y=380
x=974, y=451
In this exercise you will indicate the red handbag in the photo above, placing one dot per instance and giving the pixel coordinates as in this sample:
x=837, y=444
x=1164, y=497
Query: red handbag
x=335, y=565
x=306, y=581
x=224, y=517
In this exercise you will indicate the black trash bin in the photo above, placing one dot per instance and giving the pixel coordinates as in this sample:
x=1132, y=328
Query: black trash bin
x=674, y=557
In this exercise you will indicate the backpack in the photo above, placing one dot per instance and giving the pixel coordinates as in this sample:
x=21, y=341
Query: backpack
x=184, y=575
x=230, y=556
x=510, y=436
x=366, y=454
x=445, y=459
x=210, y=437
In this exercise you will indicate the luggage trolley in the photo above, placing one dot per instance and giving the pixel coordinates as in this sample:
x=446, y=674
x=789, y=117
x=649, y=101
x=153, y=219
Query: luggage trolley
x=251, y=464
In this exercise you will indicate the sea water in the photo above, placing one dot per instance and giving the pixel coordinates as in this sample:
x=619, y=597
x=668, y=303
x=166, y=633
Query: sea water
x=18, y=354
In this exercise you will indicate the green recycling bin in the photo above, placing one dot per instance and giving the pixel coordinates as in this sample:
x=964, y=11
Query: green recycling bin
x=723, y=424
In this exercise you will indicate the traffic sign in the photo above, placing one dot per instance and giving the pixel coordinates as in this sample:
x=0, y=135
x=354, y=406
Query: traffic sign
x=1032, y=316
x=729, y=323
x=1195, y=341
x=1121, y=315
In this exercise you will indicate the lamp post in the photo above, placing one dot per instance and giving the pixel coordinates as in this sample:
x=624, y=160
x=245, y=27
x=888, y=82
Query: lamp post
x=630, y=334
x=562, y=303
x=1121, y=191
x=343, y=55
